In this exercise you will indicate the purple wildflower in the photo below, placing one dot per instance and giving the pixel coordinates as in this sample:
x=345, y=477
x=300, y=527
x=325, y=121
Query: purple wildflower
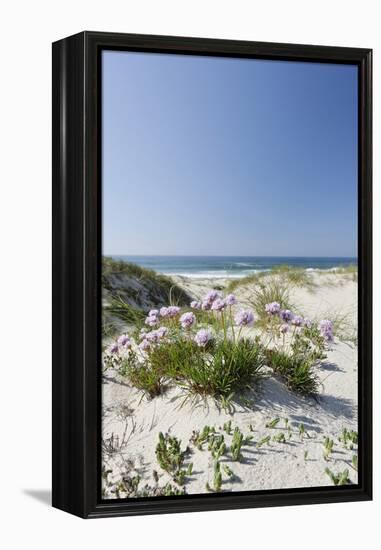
x=286, y=315
x=307, y=322
x=209, y=298
x=187, y=319
x=218, y=304
x=231, y=300
x=151, y=320
x=326, y=329
x=273, y=308
x=164, y=311
x=297, y=321
x=124, y=341
x=144, y=345
x=172, y=311
x=203, y=337
x=195, y=305
x=162, y=332
x=244, y=317
x=153, y=313
x=284, y=328
x=114, y=348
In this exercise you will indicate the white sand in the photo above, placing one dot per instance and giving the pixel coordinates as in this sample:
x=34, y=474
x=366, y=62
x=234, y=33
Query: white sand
x=138, y=421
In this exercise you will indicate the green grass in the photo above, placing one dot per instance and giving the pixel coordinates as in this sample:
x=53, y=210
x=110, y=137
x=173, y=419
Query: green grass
x=223, y=371
x=226, y=372
x=349, y=272
x=125, y=312
x=171, y=458
x=296, y=370
x=297, y=277
x=142, y=376
x=164, y=287
x=273, y=290
x=344, y=327
x=288, y=276
x=249, y=279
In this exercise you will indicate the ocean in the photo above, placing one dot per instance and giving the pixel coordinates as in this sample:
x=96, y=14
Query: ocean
x=230, y=266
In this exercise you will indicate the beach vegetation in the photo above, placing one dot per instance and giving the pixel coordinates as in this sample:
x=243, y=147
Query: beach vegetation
x=348, y=438
x=355, y=462
x=273, y=423
x=217, y=479
x=328, y=444
x=263, y=441
x=198, y=437
x=214, y=357
x=285, y=275
x=236, y=444
x=171, y=458
x=217, y=446
x=296, y=371
x=341, y=478
x=279, y=438
x=271, y=291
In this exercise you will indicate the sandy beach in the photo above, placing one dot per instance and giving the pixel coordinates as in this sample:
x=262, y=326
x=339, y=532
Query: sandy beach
x=132, y=423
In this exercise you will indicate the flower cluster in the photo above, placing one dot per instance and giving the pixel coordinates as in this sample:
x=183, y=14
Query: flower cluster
x=153, y=337
x=169, y=312
x=287, y=317
x=273, y=308
x=326, y=330
x=153, y=318
x=187, y=319
x=244, y=318
x=209, y=298
x=154, y=315
x=203, y=337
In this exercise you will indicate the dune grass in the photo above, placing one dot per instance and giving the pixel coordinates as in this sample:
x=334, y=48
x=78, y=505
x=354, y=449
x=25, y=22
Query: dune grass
x=273, y=290
x=169, y=291
x=222, y=371
x=253, y=279
x=292, y=276
x=296, y=371
x=349, y=272
x=345, y=328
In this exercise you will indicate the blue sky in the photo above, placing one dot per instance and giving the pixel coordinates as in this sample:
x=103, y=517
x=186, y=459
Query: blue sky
x=221, y=156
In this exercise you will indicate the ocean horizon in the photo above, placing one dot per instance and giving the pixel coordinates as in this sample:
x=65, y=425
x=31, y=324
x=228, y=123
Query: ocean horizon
x=232, y=267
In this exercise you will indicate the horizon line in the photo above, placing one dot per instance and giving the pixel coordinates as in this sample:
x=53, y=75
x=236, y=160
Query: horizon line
x=223, y=256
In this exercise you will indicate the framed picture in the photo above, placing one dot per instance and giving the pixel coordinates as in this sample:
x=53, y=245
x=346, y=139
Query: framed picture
x=212, y=278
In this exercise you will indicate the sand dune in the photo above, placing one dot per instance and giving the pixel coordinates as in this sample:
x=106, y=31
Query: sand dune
x=133, y=423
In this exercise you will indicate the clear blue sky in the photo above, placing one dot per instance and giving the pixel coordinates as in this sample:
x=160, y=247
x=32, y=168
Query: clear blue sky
x=221, y=156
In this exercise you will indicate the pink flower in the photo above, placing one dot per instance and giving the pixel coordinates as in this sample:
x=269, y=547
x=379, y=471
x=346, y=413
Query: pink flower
x=152, y=320
x=273, y=308
x=209, y=298
x=113, y=348
x=203, y=337
x=145, y=345
x=170, y=311
x=326, y=330
x=187, y=319
x=231, y=300
x=124, y=341
x=195, y=305
x=244, y=318
x=297, y=321
x=218, y=304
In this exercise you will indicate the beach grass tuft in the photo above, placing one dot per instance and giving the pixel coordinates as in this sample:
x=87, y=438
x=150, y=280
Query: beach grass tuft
x=228, y=369
x=296, y=370
x=274, y=290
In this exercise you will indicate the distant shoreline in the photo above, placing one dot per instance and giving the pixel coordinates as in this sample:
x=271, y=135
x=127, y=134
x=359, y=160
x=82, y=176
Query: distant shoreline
x=233, y=267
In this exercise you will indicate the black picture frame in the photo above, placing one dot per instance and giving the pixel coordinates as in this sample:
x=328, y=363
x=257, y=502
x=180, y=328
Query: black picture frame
x=77, y=276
